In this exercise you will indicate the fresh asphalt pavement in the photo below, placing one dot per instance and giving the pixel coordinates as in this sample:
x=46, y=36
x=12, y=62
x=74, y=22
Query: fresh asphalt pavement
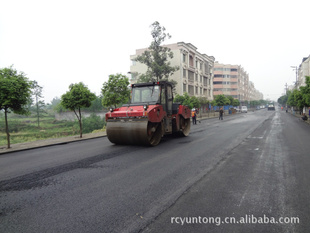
x=248, y=165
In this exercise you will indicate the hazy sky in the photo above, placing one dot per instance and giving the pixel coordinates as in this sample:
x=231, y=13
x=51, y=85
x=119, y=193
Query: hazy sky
x=59, y=42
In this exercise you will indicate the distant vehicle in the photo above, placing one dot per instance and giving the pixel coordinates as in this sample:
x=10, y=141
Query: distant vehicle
x=244, y=109
x=271, y=107
x=237, y=109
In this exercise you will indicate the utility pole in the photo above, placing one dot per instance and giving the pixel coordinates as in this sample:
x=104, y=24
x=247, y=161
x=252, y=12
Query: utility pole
x=286, y=88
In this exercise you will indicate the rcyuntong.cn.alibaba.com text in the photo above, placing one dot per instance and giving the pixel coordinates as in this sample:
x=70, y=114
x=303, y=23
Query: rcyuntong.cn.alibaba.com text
x=247, y=219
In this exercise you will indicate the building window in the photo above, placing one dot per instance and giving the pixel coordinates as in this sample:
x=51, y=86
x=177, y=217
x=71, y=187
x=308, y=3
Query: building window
x=206, y=68
x=218, y=76
x=205, y=81
x=191, y=61
x=190, y=90
x=190, y=76
x=184, y=58
x=196, y=90
x=184, y=73
x=184, y=88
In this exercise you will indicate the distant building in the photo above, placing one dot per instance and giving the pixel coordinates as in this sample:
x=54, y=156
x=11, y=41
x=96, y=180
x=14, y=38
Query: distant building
x=303, y=71
x=195, y=74
x=233, y=80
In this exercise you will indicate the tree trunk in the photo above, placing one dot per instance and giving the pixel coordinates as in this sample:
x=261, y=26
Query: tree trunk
x=38, y=112
x=80, y=121
x=7, y=128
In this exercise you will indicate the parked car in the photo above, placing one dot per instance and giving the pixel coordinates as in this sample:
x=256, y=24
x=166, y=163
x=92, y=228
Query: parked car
x=244, y=109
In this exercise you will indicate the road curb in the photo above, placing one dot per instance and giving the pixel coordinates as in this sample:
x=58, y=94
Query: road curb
x=65, y=140
x=47, y=143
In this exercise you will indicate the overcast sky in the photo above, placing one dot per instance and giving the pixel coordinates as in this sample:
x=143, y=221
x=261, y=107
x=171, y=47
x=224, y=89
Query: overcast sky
x=59, y=42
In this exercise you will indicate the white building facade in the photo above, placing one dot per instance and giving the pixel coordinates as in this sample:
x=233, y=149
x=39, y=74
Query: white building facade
x=303, y=71
x=195, y=73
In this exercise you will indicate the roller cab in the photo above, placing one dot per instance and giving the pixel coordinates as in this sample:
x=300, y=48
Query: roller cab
x=150, y=115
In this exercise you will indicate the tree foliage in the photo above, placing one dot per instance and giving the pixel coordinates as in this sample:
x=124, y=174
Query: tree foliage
x=96, y=104
x=91, y=123
x=39, y=103
x=231, y=100
x=221, y=100
x=78, y=97
x=236, y=102
x=15, y=94
x=305, y=91
x=190, y=101
x=115, y=91
x=283, y=99
x=156, y=58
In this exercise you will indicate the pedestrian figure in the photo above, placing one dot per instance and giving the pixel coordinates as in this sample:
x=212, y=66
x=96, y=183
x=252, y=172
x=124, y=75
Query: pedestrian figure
x=304, y=117
x=221, y=113
x=194, y=115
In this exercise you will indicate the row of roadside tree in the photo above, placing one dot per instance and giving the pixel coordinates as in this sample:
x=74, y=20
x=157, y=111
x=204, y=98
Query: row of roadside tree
x=299, y=99
x=16, y=89
x=21, y=96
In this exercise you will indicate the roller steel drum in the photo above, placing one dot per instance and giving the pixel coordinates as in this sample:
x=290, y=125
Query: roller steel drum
x=134, y=131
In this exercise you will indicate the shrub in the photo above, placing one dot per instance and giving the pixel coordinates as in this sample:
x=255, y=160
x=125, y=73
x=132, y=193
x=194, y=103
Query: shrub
x=92, y=123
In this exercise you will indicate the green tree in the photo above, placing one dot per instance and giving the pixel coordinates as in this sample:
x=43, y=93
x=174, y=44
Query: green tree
x=231, y=100
x=203, y=103
x=96, y=104
x=221, y=100
x=236, y=102
x=156, y=58
x=115, y=91
x=298, y=97
x=305, y=91
x=194, y=102
x=179, y=99
x=39, y=104
x=263, y=102
x=91, y=123
x=78, y=96
x=291, y=99
x=282, y=100
x=15, y=94
x=190, y=101
x=203, y=100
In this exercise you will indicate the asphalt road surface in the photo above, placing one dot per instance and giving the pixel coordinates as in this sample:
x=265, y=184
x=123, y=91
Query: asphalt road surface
x=247, y=173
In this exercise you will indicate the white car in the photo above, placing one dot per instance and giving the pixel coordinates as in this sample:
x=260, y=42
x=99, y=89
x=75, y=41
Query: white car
x=244, y=109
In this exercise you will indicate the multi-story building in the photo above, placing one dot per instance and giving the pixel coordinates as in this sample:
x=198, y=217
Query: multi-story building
x=303, y=71
x=253, y=93
x=233, y=80
x=195, y=73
